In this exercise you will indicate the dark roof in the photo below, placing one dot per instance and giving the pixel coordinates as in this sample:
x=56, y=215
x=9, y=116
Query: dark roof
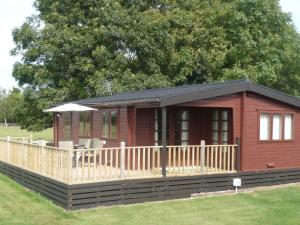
x=188, y=93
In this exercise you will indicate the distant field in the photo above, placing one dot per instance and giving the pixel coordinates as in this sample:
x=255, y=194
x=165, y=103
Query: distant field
x=18, y=132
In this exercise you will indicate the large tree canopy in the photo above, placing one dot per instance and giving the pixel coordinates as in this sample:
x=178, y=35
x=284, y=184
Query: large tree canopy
x=73, y=47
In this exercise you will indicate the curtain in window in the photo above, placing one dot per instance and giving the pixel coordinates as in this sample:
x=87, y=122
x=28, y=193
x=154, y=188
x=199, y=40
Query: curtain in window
x=264, y=132
x=277, y=127
x=288, y=126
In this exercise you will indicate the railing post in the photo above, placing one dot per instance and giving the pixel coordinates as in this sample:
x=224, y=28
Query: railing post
x=8, y=149
x=122, y=160
x=42, y=160
x=202, y=156
x=70, y=166
x=238, y=155
x=30, y=138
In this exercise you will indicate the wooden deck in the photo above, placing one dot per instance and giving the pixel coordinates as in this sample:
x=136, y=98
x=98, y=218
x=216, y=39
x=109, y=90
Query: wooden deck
x=96, y=165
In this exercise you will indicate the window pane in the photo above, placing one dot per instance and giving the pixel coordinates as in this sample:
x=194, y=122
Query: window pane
x=215, y=115
x=215, y=125
x=224, y=137
x=184, y=143
x=288, y=126
x=224, y=125
x=184, y=128
x=87, y=127
x=185, y=125
x=185, y=115
x=81, y=124
x=113, y=124
x=105, y=124
x=66, y=126
x=184, y=135
x=277, y=127
x=264, y=132
x=215, y=136
x=225, y=115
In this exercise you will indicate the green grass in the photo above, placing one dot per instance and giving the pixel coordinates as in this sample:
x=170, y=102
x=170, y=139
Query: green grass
x=18, y=132
x=276, y=207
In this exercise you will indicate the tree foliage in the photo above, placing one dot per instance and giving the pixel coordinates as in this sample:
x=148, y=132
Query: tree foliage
x=10, y=105
x=73, y=47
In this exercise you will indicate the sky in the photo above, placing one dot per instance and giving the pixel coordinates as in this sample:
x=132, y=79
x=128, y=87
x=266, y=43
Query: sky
x=14, y=12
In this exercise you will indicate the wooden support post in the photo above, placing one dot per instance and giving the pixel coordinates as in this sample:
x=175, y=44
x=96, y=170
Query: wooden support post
x=122, y=160
x=164, y=141
x=202, y=156
x=238, y=155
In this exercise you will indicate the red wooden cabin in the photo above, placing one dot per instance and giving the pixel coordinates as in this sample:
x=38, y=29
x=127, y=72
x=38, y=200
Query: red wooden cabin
x=266, y=122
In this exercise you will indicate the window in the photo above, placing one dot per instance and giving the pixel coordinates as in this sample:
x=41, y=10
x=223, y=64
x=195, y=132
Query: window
x=181, y=129
x=281, y=129
x=67, y=121
x=215, y=127
x=85, y=124
x=277, y=127
x=113, y=124
x=105, y=124
x=288, y=126
x=109, y=124
x=224, y=117
x=220, y=127
x=184, y=127
x=264, y=127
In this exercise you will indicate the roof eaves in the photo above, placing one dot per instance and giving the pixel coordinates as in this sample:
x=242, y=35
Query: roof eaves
x=205, y=94
x=274, y=94
x=122, y=103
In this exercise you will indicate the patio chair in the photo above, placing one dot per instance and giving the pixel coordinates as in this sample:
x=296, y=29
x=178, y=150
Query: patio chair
x=69, y=145
x=97, y=144
x=84, y=142
x=40, y=143
x=66, y=144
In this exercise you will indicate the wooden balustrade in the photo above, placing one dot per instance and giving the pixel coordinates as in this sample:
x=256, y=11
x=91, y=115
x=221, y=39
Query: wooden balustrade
x=47, y=161
x=197, y=159
x=115, y=163
x=18, y=139
x=90, y=165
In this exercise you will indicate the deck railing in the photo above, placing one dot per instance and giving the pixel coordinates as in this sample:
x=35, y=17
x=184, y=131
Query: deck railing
x=90, y=165
x=18, y=139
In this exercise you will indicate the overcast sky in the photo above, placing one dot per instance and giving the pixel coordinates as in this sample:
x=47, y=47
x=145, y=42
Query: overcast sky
x=14, y=12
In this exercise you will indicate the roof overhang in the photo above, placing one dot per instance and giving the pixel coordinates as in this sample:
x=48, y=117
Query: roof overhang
x=232, y=89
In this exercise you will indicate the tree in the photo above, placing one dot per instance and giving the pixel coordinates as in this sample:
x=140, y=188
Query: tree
x=72, y=48
x=10, y=104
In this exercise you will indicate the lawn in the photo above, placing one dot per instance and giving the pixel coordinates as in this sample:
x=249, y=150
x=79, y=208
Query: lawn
x=18, y=132
x=279, y=206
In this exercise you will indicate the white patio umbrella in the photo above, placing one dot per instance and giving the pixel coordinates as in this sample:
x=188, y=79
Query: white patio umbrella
x=69, y=107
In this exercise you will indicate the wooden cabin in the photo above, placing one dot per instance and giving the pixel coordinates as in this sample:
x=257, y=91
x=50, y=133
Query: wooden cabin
x=266, y=121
